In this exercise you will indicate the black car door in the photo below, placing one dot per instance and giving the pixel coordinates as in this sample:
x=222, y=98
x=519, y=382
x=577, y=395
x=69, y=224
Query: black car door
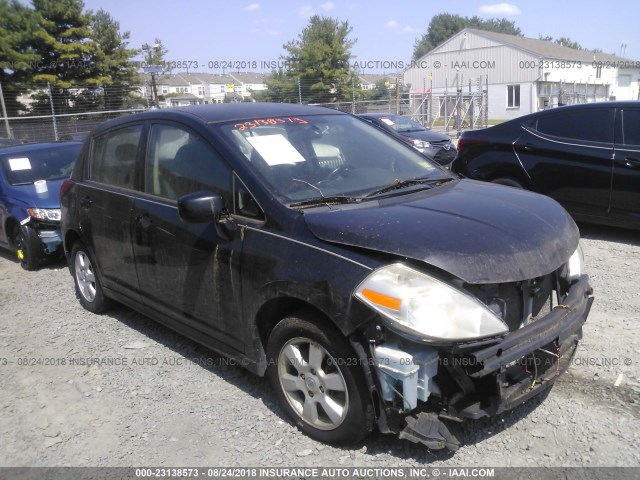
x=106, y=202
x=185, y=270
x=625, y=197
x=569, y=157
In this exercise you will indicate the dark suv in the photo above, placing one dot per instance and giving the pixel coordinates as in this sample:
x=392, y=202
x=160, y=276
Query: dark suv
x=371, y=286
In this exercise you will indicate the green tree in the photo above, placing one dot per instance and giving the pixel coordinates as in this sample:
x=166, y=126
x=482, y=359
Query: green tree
x=16, y=58
x=117, y=74
x=62, y=40
x=154, y=53
x=281, y=88
x=382, y=90
x=320, y=60
x=444, y=25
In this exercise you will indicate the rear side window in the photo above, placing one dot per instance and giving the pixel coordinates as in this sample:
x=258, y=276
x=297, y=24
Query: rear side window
x=585, y=125
x=113, y=157
x=179, y=161
x=631, y=127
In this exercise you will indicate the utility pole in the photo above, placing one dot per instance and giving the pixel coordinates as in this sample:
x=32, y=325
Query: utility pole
x=53, y=113
x=153, y=70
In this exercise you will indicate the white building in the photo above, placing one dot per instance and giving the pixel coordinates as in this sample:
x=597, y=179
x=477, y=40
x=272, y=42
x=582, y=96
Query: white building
x=368, y=81
x=193, y=88
x=522, y=75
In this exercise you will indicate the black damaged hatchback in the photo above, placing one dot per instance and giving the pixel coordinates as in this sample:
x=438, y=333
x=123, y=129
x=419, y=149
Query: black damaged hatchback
x=372, y=287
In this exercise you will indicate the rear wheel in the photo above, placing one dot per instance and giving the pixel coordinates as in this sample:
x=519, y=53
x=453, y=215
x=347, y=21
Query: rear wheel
x=87, y=282
x=318, y=382
x=27, y=247
x=510, y=182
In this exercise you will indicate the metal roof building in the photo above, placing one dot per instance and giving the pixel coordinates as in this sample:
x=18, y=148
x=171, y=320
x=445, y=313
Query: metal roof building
x=521, y=75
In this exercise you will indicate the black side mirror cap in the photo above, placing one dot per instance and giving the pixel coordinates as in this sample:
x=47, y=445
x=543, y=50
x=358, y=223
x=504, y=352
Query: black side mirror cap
x=200, y=207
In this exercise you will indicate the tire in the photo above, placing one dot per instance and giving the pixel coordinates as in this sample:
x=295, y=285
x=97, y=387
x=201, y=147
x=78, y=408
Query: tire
x=510, y=182
x=87, y=281
x=27, y=247
x=317, y=382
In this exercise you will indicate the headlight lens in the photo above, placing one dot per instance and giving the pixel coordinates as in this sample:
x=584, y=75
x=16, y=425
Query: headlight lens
x=575, y=266
x=419, y=144
x=51, y=214
x=422, y=305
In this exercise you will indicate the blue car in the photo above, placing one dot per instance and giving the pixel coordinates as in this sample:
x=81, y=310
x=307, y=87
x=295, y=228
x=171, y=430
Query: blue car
x=30, y=181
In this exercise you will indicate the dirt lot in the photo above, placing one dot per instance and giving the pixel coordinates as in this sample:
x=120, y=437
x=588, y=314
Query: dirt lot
x=165, y=401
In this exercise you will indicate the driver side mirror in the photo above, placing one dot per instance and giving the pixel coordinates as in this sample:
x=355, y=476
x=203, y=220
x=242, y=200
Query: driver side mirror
x=206, y=207
x=200, y=207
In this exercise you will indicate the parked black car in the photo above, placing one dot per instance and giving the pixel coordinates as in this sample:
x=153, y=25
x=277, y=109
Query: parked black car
x=371, y=286
x=30, y=180
x=433, y=145
x=587, y=157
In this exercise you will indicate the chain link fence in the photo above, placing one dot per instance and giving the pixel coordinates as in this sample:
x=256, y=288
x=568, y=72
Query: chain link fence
x=46, y=114
x=50, y=114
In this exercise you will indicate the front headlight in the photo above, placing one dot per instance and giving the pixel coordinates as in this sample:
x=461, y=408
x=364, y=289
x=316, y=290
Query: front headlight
x=51, y=214
x=575, y=266
x=419, y=144
x=421, y=305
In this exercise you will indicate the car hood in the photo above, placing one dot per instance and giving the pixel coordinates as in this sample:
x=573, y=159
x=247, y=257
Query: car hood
x=426, y=135
x=479, y=232
x=27, y=197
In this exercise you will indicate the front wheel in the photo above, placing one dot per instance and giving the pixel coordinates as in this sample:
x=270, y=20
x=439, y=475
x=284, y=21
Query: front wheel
x=88, y=287
x=27, y=247
x=318, y=381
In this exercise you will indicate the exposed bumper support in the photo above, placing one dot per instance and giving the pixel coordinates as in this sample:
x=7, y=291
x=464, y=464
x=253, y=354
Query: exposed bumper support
x=563, y=322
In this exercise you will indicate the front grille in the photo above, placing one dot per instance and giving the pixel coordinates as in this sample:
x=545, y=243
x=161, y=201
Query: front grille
x=518, y=303
x=446, y=144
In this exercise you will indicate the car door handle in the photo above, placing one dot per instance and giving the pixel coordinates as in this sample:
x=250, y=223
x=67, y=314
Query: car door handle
x=86, y=202
x=144, y=221
x=528, y=147
x=631, y=162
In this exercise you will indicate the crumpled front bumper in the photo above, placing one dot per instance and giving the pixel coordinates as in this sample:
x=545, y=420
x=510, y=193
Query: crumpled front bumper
x=554, y=337
x=478, y=379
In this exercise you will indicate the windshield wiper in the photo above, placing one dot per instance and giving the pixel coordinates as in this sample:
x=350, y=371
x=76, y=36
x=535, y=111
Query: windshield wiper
x=328, y=201
x=332, y=199
x=398, y=184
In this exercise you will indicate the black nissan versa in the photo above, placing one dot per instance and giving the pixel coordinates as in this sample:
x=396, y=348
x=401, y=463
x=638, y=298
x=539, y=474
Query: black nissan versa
x=371, y=286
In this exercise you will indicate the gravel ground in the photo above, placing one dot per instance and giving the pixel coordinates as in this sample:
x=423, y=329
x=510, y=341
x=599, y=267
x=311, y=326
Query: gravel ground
x=170, y=402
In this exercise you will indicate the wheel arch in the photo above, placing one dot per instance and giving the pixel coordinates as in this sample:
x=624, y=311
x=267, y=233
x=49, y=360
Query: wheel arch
x=70, y=238
x=9, y=225
x=276, y=309
x=512, y=173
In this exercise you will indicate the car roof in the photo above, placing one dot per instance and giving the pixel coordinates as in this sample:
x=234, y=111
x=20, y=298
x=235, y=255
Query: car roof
x=616, y=104
x=32, y=147
x=380, y=115
x=223, y=112
x=567, y=108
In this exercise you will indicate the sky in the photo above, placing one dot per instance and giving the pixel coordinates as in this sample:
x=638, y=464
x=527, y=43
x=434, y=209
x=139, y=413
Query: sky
x=244, y=34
